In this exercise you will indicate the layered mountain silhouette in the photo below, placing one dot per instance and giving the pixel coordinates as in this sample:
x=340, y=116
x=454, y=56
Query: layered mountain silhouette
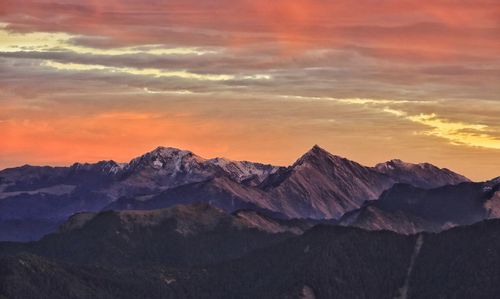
x=408, y=209
x=318, y=185
x=184, y=235
x=324, y=262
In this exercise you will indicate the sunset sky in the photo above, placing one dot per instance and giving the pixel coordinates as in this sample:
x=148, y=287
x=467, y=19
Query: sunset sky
x=254, y=80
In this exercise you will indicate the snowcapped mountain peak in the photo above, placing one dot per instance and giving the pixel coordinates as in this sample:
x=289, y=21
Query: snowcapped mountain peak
x=165, y=157
x=167, y=167
x=399, y=164
x=244, y=170
x=170, y=152
x=112, y=167
x=394, y=164
x=424, y=175
x=107, y=167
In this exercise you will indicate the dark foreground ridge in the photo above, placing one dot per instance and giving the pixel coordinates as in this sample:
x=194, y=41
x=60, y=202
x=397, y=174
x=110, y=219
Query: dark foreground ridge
x=324, y=262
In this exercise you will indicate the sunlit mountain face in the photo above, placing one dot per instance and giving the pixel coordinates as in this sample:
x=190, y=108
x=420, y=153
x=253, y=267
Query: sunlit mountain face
x=251, y=80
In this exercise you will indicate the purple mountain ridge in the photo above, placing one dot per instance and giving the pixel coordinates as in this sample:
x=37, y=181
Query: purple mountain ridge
x=318, y=185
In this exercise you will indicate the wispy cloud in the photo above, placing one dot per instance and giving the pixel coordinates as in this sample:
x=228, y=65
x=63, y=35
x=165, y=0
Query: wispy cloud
x=394, y=111
x=157, y=73
x=373, y=101
x=180, y=92
x=459, y=133
x=356, y=101
x=47, y=41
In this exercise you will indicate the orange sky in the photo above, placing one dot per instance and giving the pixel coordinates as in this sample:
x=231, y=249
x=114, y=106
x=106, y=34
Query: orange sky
x=255, y=80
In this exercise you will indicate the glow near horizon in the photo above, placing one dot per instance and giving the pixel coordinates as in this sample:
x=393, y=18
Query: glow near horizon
x=285, y=64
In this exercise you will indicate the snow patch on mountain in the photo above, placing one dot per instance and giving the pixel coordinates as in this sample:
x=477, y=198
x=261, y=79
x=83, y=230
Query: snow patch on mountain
x=244, y=170
x=423, y=175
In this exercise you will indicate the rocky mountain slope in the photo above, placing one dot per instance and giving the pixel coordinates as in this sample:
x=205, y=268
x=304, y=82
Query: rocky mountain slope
x=304, y=190
x=422, y=175
x=318, y=185
x=47, y=196
x=321, y=185
x=407, y=209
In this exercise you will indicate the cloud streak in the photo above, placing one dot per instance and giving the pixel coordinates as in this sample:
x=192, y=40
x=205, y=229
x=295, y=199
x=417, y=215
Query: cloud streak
x=157, y=73
x=268, y=76
x=458, y=133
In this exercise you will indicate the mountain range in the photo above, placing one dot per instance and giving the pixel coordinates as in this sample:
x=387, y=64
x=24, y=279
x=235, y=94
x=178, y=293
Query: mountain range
x=180, y=236
x=407, y=209
x=318, y=186
x=171, y=224
x=198, y=251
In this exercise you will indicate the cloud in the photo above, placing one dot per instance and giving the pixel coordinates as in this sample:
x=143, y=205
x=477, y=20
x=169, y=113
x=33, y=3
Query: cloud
x=47, y=41
x=459, y=133
x=157, y=73
x=287, y=72
x=357, y=101
x=372, y=101
x=355, y=67
x=439, y=28
x=394, y=112
x=181, y=92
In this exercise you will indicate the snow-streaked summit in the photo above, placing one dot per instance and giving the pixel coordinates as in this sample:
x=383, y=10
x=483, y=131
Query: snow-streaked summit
x=175, y=160
x=168, y=167
x=424, y=175
x=318, y=185
x=244, y=170
x=107, y=167
x=164, y=157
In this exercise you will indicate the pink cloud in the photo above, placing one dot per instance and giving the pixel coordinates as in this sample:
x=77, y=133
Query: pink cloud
x=438, y=26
